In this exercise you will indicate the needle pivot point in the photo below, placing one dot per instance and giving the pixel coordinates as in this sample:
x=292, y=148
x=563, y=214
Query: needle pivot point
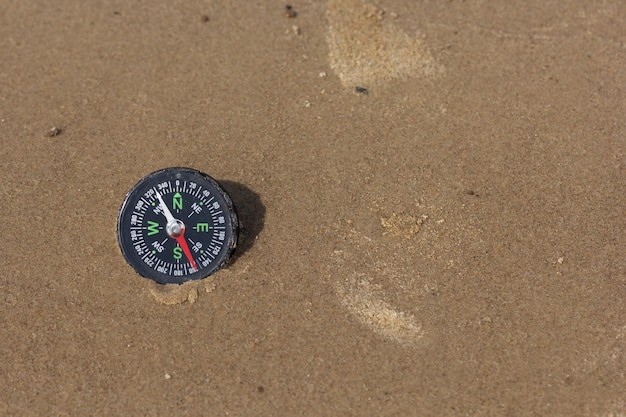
x=175, y=228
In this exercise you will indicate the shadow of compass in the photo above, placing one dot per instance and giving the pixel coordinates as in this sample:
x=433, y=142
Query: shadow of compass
x=251, y=214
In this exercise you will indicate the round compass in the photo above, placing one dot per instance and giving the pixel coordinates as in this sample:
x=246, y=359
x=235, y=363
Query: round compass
x=176, y=225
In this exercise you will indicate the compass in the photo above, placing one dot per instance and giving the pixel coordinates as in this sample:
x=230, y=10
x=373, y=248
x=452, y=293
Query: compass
x=177, y=225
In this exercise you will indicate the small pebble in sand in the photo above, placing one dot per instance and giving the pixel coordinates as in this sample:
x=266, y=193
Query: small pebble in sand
x=172, y=294
x=10, y=300
x=402, y=225
x=290, y=12
x=192, y=296
x=54, y=131
x=204, y=18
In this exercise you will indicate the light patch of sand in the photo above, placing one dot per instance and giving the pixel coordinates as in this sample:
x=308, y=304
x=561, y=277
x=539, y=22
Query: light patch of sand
x=173, y=294
x=360, y=270
x=363, y=300
x=365, y=47
x=402, y=225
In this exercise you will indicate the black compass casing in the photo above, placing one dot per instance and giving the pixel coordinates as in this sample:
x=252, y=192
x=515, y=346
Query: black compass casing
x=199, y=204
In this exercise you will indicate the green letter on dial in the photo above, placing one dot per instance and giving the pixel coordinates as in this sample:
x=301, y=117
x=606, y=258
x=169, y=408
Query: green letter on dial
x=153, y=228
x=177, y=201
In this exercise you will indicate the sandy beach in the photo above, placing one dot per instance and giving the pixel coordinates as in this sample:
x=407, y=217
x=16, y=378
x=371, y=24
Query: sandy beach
x=432, y=194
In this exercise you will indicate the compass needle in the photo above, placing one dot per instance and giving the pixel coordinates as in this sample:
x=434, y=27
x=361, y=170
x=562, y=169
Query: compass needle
x=206, y=242
x=166, y=212
x=183, y=244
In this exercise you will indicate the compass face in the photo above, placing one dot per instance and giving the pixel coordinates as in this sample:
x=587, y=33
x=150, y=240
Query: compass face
x=176, y=225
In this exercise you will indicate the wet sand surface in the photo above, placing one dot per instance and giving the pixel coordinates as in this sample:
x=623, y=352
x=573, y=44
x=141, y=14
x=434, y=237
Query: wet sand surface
x=433, y=197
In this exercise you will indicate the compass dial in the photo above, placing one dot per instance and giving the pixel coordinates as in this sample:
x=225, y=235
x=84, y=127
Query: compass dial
x=176, y=225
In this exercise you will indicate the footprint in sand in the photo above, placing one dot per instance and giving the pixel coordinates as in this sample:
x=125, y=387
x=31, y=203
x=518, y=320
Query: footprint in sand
x=364, y=299
x=360, y=289
x=365, y=279
x=366, y=48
